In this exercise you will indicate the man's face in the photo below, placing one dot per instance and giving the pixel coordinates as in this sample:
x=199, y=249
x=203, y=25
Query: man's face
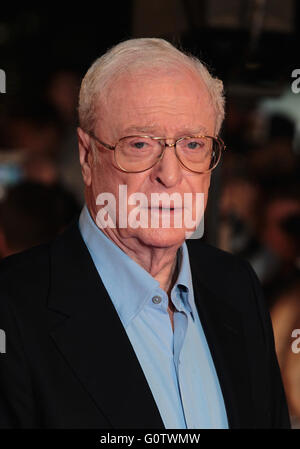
x=169, y=104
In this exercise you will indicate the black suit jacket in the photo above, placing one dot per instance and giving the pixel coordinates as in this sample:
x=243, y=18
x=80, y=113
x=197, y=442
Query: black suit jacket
x=70, y=364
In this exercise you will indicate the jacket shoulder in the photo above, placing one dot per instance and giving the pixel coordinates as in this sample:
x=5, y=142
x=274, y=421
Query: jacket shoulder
x=24, y=277
x=23, y=260
x=211, y=263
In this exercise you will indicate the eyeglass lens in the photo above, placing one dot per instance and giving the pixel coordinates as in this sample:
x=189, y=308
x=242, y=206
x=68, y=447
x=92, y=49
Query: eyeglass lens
x=198, y=154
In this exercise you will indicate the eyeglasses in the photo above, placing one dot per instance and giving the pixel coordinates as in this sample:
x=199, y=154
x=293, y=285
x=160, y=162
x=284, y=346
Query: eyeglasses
x=138, y=153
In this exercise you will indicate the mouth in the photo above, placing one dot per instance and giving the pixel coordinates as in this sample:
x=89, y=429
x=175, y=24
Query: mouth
x=165, y=210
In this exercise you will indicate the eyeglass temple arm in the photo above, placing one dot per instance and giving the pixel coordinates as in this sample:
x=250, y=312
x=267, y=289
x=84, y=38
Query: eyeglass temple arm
x=109, y=147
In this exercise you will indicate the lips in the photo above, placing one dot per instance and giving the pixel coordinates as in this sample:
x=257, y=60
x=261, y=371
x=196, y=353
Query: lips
x=164, y=208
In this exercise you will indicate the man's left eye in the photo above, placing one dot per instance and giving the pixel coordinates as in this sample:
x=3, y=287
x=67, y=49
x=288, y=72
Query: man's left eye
x=193, y=145
x=139, y=145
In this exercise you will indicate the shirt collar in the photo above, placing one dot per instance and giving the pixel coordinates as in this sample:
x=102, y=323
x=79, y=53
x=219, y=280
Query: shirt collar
x=127, y=283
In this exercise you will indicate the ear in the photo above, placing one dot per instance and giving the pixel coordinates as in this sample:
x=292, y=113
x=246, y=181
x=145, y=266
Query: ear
x=85, y=156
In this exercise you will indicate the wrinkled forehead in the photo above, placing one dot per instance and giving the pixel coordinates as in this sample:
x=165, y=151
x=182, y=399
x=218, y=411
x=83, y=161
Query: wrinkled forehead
x=156, y=80
x=143, y=95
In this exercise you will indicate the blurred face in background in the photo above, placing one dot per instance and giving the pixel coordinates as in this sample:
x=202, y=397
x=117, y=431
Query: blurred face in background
x=274, y=236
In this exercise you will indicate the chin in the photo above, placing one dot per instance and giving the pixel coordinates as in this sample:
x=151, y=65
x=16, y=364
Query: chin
x=159, y=238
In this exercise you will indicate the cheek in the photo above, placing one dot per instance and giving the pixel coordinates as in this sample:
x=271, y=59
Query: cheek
x=199, y=183
x=107, y=178
x=102, y=172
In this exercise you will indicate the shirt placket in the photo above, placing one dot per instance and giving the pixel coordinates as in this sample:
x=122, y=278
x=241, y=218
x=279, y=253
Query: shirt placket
x=180, y=330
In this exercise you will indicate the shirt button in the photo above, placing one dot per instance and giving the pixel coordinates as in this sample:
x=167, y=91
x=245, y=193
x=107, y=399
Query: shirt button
x=156, y=299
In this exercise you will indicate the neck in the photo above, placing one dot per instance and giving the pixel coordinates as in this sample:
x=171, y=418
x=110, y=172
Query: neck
x=159, y=262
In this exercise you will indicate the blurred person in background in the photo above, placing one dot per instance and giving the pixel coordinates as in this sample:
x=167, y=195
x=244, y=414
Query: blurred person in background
x=285, y=315
x=274, y=157
x=62, y=93
x=32, y=213
x=260, y=210
x=251, y=216
x=241, y=206
x=282, y=233
x=34, y=132
x=277, y=210
x=43, y=133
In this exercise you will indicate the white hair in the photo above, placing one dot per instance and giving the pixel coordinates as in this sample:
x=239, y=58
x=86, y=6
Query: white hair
x=135, y=55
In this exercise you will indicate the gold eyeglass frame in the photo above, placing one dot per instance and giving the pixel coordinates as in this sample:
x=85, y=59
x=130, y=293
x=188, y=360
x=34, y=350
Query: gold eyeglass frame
x=113, y=147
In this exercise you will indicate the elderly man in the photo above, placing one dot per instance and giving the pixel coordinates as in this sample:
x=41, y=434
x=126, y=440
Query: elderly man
x=119, y=323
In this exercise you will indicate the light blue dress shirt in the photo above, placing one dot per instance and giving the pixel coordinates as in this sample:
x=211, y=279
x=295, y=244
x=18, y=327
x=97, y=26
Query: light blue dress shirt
x=178, y=366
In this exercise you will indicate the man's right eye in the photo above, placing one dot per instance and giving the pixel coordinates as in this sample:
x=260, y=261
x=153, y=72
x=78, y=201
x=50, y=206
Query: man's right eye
x=139, y=145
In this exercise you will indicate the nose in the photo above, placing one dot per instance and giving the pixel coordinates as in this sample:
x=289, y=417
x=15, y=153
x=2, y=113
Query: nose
x=167, y=171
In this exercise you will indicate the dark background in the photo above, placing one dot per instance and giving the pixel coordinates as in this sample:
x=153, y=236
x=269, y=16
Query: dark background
x=254, y=205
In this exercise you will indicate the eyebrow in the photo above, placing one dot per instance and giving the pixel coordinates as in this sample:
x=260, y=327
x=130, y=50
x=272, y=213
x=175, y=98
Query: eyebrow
x=140, y=129
x=185, y=131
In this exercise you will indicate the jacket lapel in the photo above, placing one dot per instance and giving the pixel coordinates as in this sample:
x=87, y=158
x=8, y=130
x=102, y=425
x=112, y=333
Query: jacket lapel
x=224, y=334
x=92, y=338
x=108, y=367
